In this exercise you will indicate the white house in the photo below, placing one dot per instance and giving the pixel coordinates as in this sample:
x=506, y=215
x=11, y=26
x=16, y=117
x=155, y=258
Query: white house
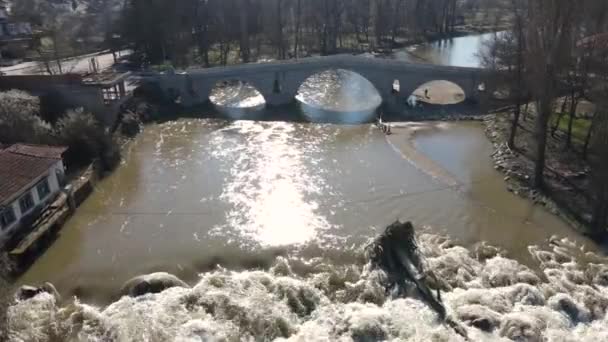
x=31, y=176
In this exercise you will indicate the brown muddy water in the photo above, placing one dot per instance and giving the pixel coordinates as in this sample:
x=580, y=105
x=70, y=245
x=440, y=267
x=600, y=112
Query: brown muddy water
x=194, y=193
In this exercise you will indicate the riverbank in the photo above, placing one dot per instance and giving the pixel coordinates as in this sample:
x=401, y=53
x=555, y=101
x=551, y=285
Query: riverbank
x=24, y=249
x=566, y=174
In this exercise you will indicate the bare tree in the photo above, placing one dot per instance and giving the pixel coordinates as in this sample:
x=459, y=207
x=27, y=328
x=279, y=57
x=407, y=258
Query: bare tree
x=599, y=174
x=244, y=22
x=547, y=37
x=504, y=54
x=298, y=19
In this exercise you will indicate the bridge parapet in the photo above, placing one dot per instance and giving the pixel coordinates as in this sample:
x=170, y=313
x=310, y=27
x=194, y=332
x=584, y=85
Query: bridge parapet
x=279, y=81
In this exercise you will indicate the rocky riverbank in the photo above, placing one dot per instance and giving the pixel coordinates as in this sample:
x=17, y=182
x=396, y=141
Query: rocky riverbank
x=518, y=169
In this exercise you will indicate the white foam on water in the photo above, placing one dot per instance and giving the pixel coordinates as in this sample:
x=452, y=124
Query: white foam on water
x=493, y=297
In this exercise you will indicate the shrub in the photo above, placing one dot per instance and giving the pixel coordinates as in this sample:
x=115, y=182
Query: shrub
x=87, y=140
x=151, y=92
x=19, y=120
x=130, y=124
x=53, y=106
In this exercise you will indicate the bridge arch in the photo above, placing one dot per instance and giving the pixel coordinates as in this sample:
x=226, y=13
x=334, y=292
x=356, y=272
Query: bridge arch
x=338, y=95
x=440, y=92
x=236, y=93
x=339, y=89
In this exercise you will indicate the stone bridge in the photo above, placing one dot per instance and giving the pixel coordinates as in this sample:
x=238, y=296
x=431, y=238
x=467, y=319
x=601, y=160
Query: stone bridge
x=279, y=81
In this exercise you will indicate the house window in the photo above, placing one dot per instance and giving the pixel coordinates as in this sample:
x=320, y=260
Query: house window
x=7, y=217
x=43, y=189
x=26, y=203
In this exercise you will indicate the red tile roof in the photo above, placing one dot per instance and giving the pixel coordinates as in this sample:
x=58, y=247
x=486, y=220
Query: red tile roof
x=595, y=41
x=21, y=165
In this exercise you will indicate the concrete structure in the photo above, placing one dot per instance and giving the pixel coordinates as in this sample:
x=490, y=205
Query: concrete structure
x=30, y=178
x=101, y=94
x=279, y=81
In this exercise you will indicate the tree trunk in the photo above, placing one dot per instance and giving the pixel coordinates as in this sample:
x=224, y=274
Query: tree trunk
x=281, y=47
x=453, y=16
x=559, y=117
x=297, y=37
x=600, y=217
x=396, y=21
x=542, y=119
x=518, y=90
x=514, y=124
x=244, y=46
x=573, y=106
x=587, y=141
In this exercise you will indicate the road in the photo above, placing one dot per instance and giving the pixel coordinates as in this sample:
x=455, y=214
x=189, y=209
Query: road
x=79, y=64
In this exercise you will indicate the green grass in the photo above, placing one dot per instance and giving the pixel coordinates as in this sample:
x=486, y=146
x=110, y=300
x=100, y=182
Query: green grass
x=580, y=126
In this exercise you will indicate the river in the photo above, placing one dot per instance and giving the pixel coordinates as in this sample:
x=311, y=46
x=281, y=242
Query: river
x=459, y=51
x=200, y=198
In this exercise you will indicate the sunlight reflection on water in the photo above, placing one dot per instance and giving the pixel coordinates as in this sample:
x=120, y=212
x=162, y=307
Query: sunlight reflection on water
x=271, y=183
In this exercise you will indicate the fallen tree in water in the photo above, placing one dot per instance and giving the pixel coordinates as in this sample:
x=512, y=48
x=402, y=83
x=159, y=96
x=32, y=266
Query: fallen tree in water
x=396, y=253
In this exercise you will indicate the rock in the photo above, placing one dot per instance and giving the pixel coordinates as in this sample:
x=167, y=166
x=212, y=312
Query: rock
x=151, y=283
x=483, y=251
x=130, y=125
x=483, y=324
x=478, y=316
x=26, y=292
x=566, y=304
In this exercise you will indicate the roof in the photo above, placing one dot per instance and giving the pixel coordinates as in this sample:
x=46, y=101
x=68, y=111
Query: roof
x=106, y=78
x=596, y=40
x=21, y=165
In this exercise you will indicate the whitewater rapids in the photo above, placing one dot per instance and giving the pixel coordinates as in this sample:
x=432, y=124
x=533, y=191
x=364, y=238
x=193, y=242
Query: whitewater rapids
x=565, y=300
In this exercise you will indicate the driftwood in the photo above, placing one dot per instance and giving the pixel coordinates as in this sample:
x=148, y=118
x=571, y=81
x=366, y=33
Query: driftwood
x=396, y=253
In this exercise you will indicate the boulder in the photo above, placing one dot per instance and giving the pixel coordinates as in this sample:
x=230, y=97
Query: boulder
x=26, y=292
x=479, y=316
x=150, y=283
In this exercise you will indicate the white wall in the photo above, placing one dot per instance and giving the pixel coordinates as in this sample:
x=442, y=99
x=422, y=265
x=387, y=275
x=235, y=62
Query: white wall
x=54, y=186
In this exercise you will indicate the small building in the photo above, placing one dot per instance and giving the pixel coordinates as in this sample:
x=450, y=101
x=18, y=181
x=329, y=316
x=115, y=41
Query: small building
x=16, y=37
x=31, y=177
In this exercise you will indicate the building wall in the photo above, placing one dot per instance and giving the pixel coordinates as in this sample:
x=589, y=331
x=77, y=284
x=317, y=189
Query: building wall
x=70, y=88
x=54, y=186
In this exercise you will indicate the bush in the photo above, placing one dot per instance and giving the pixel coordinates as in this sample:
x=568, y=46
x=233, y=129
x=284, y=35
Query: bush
x=87, y=140
x=53, y=106
x=19, y=120
x=130, y=124
x=151, y=92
